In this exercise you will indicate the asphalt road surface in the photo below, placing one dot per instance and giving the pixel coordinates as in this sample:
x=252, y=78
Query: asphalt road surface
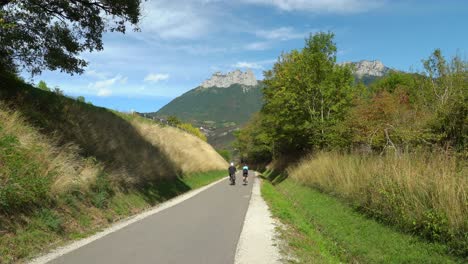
x=203, y=229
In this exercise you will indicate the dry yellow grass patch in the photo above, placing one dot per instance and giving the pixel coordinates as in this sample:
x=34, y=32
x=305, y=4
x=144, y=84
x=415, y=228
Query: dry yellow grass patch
x=190, y=153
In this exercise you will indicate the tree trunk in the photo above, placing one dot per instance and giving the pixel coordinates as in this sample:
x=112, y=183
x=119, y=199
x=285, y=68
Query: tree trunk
x=321, y=112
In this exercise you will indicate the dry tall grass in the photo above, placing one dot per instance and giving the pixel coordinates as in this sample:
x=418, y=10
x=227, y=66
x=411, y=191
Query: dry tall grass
x=188, y=151
x=185, y=152
x=68, y=167
x=426, y=193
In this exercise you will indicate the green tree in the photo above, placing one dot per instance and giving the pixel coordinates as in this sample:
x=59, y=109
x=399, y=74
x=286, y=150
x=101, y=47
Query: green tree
x=50, y=34
x=81, y=99
x=43, y=86
x=58, y=91
x=254, y=141
x=174, y=121
x=446, y=95
x=226, y=154
x=306, y=94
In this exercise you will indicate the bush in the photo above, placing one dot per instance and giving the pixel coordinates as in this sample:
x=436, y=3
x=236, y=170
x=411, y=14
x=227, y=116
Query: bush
x=226, y=154
x=192, y=130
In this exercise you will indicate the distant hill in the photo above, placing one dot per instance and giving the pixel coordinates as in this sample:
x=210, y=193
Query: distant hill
x=215, y=105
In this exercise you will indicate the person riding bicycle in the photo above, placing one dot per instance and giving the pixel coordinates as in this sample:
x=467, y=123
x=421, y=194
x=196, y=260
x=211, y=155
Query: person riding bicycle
x=232, y=172
x=245, y=172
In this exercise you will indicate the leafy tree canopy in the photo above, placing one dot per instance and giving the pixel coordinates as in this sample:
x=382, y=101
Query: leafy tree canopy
x=43, y=86
x=306, y=94
x=311, y=104
x=50, y=34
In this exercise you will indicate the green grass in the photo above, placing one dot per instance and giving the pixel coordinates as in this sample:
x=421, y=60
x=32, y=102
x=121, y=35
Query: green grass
x=306, y=243
x=324, y=230
x=21, y=182
x=79, y=214
x=198, y=180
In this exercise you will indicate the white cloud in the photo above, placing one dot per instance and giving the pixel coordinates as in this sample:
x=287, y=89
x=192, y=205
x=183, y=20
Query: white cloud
x=250, y=65
x=271, y=36
x=104, y=92
x=156, y=77
x=261, y=45
x=96, y=74
x=175, y=20
x=255, y=65
x=103, y=87
x=282, y=33
x=316, y=6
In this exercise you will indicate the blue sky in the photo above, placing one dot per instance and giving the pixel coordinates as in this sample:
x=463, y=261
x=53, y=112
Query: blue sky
x=182, y=42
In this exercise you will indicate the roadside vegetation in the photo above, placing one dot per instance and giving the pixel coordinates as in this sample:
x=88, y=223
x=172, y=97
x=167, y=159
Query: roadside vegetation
x=69, y=169
x=395, y=150
x=420, y=193
x=319, y=228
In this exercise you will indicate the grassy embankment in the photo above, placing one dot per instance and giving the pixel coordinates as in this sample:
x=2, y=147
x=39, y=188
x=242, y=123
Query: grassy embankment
x=337, y=207
x=69, y=169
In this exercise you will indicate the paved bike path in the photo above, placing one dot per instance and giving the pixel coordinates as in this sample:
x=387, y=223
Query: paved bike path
x=203, y=229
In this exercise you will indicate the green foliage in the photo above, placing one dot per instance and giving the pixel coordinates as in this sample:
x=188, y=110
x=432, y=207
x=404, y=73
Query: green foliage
x=226, y=154
x=192, y=130
x=311, y=103
x=253, y=141
x=305, y=96
x=62, y=30
x=81, y=99
x=58, y=91
x=387, y=120
x=49, y=220
x=43, y=86
x=173, y=120
x=101, y=191
x=22, y=183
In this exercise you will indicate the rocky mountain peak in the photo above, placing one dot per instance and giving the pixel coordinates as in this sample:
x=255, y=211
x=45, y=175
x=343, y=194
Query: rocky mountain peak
x=372, y=68
x=219, y=79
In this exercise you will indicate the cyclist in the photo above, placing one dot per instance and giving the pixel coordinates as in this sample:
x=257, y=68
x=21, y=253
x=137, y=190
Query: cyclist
x=245, y=172
x=232, y=173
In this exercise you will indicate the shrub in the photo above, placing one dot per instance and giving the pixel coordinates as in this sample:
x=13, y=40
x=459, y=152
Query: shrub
x=226, y=154
x=192, y=130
